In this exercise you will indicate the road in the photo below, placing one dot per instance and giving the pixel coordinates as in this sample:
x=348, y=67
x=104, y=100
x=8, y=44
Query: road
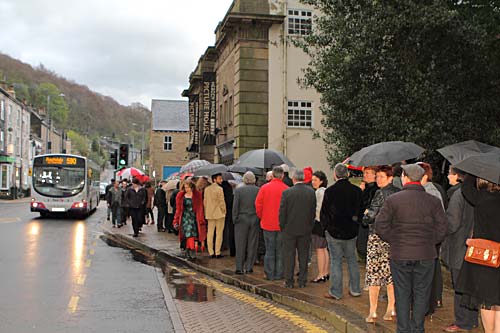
x=59, y=276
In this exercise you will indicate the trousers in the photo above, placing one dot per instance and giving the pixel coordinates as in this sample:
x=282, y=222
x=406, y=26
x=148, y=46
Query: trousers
x=216, y=226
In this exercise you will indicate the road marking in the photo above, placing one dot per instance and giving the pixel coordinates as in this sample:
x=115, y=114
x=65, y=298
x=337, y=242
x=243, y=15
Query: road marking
x=9, y=219
x=265, y=306
x=96, y=236
x=81, y=279
x=87, y=262
x=93, y=243
x=73, y=304
x=91, y=252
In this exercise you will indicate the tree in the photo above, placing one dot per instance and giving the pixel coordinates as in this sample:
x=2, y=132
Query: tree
x=47, y=95
x=418, y=70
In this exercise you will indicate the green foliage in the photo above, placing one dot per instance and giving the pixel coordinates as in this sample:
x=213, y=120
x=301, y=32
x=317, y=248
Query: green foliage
x=420, y=71
x=79, y=143
x=50, y=98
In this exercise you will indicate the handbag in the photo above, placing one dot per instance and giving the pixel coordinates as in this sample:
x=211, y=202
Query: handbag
x=318, y=229
x=483, y=252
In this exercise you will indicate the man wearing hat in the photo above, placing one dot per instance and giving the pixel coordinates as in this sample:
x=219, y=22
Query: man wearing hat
x=412, y=222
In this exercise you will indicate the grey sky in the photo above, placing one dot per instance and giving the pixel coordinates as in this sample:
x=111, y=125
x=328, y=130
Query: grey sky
x=130, y=50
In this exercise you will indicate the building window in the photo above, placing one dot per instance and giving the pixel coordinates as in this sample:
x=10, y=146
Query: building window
x=300, y=114
x=4, y=176
x=299, y=22
x=2, y=109
x=167, y=143
x=1, y=140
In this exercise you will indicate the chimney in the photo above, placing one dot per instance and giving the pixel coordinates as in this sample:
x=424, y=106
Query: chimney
x=11, y=91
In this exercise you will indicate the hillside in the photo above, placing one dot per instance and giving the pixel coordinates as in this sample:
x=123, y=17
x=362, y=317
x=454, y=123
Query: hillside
x=89, y=113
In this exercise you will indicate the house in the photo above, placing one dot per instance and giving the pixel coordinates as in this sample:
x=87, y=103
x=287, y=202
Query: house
x=169, y=137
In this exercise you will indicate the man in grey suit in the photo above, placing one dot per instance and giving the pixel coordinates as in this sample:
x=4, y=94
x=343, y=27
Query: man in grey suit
x=297, y=212
x=246, y=224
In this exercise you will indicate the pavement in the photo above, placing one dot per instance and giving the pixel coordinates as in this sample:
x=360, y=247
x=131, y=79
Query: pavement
x=345, y=315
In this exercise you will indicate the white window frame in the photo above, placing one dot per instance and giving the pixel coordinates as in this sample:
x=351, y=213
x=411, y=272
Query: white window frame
x=2, y=109
x=299, y=22
x=5, y=168
x=168, y=143
x=300, y=114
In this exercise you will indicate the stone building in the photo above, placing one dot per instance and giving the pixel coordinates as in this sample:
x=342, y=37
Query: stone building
x=259, y=102
x=169, y=137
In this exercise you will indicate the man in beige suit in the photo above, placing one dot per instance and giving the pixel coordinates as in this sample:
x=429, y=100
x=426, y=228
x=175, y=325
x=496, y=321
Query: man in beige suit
x=215, y=213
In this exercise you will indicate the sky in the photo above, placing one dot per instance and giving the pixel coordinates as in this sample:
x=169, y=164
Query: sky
x=131, y=50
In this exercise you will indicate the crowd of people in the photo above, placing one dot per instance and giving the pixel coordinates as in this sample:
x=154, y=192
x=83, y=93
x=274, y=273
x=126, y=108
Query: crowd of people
x=398, y=221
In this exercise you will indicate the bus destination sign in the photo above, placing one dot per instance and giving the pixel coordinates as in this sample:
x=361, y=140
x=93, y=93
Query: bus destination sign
x=60, y=161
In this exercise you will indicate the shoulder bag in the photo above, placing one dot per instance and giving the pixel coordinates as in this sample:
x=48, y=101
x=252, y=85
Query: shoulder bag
x=483, y=252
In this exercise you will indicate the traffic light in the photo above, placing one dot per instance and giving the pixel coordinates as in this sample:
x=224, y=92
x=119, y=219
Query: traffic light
x=123, y=155
x=113, y=158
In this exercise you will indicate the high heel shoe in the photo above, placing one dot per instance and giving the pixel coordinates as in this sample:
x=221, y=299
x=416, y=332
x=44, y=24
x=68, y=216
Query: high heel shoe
x=318, y=280
x=372, y=317
x=327, y=277
x=389, y=315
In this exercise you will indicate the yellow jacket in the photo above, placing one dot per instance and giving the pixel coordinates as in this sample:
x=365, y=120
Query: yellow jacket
x=213, y=202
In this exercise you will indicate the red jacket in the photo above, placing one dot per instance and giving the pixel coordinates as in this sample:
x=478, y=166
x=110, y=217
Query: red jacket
x=267, y=204
x=198, y=210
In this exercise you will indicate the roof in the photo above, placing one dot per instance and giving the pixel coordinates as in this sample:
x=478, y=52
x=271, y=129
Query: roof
x=170, y=115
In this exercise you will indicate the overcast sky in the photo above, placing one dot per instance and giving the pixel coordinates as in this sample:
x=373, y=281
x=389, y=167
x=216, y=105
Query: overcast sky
x=131, y=50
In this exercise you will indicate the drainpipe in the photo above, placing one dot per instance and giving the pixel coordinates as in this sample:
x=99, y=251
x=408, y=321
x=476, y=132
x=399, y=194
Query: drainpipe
x=285, y=83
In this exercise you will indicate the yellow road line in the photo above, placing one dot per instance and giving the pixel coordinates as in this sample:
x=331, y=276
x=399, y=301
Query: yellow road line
x=87, y=262
x=265, y=306
x=9, y=219
x=91, y=252
x=73, y=304
x=81, y=279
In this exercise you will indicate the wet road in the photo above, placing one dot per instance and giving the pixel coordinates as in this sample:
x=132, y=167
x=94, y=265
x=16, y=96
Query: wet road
x=58, y=276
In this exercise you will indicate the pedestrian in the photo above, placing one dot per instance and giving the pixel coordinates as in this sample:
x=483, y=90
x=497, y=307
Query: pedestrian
x=228, y=241
x=308, y=173
x=339, y=217
x=149, y=204
x=246, y=224
x=436, y=298
x=201, y=184
x=136, y=198
x=189, y=218
x=378, y=270
x=455, y=181
x=480, y=284
x=269, y=177
x=124, y=202
x=106, y=190
x=318, y=239
x=160, y=201
x=370, y=187
x=114, y=199
x=173, y=205
x=215, y=214
x=460, y=214
x=413, y=223
x=296, y=217
x=267, y=205
x=286, y=172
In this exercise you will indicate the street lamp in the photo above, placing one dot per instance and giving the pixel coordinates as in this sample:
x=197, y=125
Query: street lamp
x=142, y=142
x=49, y=129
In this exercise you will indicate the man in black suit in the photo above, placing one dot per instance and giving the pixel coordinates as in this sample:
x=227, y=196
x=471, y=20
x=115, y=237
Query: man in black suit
x=339, y=217
x=297, y=212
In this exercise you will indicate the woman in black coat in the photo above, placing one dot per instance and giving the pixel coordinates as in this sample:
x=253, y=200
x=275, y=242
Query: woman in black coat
x=480, y=285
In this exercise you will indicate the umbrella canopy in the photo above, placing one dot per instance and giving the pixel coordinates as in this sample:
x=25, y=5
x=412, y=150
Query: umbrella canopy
x=193, y=165
x=263, y=159
x=143, y=178
x=486, y=166
x=210, y=170
x=241, y=169
x=129, y=173
x=384, y=153
x=459, y=151
x=171, y=184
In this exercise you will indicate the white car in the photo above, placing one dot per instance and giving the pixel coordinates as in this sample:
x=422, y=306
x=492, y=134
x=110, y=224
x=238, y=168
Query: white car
x=102, y=190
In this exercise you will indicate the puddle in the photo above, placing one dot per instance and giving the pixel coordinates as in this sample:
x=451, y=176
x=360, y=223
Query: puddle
x=187, y=289
x=137, y=255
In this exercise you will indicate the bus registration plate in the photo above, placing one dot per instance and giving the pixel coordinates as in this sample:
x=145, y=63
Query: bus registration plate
x=57, y=209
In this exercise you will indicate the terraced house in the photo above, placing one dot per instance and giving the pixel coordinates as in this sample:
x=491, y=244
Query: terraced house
x=258, y=103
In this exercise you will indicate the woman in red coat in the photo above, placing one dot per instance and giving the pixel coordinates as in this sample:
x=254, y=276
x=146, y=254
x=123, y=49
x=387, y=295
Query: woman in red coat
x=189, y=217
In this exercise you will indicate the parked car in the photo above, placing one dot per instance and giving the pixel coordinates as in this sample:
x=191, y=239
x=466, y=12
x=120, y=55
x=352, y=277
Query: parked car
x=102, y=190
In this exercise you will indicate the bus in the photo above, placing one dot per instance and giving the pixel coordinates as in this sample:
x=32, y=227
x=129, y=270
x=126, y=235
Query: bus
x=64, y=184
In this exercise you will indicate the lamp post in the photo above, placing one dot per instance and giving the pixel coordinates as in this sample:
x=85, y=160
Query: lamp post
x=142, y=143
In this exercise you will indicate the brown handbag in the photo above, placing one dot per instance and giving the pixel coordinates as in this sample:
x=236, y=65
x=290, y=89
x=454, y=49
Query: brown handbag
x=483, y=252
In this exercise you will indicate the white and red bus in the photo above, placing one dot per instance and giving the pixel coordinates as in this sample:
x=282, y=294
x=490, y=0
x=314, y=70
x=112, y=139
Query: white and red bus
x=64, y=184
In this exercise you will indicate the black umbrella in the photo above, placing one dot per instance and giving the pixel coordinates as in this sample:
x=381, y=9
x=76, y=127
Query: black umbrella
x=486, y=166
x=459, y=151
x=384, y=153
x=210, y=170
x=242, y=169
x=263, y=159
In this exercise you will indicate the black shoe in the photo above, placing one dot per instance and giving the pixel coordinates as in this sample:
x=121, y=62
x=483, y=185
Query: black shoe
x=250, y=271
x=238, y=272
x=287, y=285
x=318, y=280
x=213, y=256
x=135, y=235
x=302, y=285
x=107, y=218
x=219, y=256
x=327, y=277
